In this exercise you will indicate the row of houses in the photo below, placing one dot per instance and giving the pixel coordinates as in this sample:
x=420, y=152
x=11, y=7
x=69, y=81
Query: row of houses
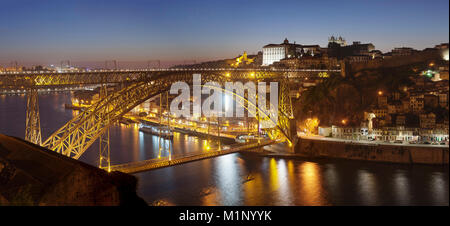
x=386, y=134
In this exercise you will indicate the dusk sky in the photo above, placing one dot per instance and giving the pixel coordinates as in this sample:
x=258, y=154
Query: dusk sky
x=46, y=31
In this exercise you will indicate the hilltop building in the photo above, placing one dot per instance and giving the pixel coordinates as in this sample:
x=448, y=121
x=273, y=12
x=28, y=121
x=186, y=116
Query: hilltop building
x=276, y=52
x=356, y=52
x=336, y=41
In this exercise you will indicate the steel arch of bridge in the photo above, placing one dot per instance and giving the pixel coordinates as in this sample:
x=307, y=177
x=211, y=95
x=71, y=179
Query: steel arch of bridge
x=77, y=135
x=260, y=114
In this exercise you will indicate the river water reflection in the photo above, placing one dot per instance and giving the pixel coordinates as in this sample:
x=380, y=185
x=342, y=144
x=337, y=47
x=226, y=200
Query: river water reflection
x=244, y=179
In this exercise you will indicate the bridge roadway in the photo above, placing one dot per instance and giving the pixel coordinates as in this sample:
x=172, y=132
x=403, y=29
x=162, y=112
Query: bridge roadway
x=42, y=79
x=151, y=164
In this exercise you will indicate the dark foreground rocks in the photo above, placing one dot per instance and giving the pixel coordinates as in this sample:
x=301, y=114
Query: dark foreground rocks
x=32, y=175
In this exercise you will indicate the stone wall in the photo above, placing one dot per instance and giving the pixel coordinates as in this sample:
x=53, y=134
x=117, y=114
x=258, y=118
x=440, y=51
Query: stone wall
x=379, y=153
x=396, y=61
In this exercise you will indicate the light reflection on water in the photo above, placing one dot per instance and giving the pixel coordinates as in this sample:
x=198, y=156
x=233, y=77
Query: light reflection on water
x=243, y=179
x=367, y=187
x=311, y=184
x=401, y=188
x=439, y=187
x=228, y=180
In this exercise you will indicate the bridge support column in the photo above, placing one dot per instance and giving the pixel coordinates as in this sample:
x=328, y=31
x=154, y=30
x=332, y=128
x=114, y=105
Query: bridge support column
x=286, y=120
x=293, y=134
x=33, y=122
x=104, y=161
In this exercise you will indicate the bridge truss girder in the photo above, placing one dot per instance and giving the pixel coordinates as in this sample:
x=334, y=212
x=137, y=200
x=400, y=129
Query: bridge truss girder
x=50, y=79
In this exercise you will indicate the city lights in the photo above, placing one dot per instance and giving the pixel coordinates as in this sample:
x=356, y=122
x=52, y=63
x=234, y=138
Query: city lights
x=445, y=54
x=241, y=103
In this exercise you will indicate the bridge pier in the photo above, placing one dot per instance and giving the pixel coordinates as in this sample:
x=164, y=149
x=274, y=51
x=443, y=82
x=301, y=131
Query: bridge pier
x=33, y=122
x=104, y=147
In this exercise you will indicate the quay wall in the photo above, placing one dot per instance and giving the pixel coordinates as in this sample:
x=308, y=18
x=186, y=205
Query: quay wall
x=372, y=152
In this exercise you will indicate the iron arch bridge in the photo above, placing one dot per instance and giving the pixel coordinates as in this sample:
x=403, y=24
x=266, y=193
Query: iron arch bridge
x=75, y=137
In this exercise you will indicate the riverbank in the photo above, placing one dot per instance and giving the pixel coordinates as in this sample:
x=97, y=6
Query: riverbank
x=408, y=154
x=313, y=148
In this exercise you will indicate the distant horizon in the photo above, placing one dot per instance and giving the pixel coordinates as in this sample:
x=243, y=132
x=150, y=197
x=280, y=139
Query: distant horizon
x=132, y=64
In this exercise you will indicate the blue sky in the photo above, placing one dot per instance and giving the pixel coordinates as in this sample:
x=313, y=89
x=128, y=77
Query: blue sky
x=46, y=31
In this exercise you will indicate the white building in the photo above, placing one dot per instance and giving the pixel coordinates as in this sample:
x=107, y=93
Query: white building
x=273, y=53
x=276, y=52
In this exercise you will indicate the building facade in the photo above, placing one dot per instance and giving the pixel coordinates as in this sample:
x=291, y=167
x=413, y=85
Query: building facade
x=276, y=52
x=273, y=53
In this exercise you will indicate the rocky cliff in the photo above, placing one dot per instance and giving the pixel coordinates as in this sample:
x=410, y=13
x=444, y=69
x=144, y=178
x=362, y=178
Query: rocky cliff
x=32, y=175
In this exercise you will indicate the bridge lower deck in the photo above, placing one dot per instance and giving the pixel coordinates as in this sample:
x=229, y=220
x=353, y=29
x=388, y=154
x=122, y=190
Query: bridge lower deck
x=150, y=164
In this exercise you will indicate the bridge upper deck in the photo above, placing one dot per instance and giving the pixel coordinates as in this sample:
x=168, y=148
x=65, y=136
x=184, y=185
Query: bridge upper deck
x=168, y=70
x=21, y=80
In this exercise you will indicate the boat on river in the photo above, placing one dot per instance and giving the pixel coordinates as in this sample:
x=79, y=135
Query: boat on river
x=162, y=131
